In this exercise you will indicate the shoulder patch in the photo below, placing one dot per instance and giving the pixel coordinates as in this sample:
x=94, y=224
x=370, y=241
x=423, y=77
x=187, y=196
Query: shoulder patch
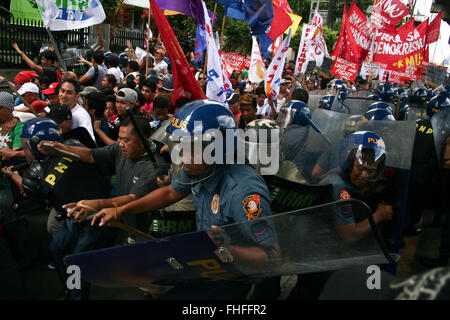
x=343, y=194
x=252, y=206
x=215, y=203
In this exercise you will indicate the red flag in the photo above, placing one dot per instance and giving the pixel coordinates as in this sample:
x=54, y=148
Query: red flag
x=283, y=4
x=387, y=13
x=339, y=47
x=358, y=35
x=281, y=21
x=401, y=50
x=184, y=81
x=433, y=29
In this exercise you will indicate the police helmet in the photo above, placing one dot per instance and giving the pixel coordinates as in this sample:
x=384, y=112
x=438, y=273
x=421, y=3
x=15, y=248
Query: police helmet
x=123, y=59
x=261, y=137
x=201, y=125
x=336, y=84
x=374, y=97
x=365, y=147
x=378, y=114
x=437, y=103
x=294, y=112
x=326, y=102
x=418, y=95
x=385, y=91
x=37, y=130
x=379, y=105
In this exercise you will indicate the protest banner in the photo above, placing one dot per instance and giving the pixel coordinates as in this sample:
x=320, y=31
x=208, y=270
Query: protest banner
x=344, y=69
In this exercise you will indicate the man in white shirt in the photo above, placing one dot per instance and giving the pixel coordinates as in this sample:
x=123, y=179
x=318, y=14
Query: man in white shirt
x=112, y=62
x=161, y=66
x=263, y=107
x=69, y=93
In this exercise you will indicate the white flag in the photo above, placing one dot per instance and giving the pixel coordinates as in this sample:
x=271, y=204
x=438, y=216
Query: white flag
x=216, y=88
x=316, y=47
x=301, y=62
x=257, y=71
x=275, y=70
x=70, y=14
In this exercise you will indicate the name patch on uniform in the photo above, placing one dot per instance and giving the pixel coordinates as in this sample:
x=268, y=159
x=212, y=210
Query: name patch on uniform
x=343, y=194
x=215, y=203
x=252, y=206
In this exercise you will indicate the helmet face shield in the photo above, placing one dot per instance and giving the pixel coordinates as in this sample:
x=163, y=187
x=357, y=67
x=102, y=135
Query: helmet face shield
x=27, y=148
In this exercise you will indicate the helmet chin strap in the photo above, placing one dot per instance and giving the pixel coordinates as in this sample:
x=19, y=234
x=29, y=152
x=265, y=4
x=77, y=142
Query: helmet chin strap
x=209, y=172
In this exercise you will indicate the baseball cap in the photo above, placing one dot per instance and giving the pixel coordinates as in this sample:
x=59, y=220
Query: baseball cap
x=28, y=87
x=24, y=76
x=233, y=98
x=127, y=94
x=162, y=51
x=59, y=114
x=7, y=100
x=51, y=89
x=87, y=90
x=284, y=81
x=167, y=85
x=38, y=105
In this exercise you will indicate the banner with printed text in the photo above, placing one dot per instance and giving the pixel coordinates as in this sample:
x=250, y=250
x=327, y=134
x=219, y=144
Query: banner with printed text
x=387, y=13
x=275, y=70
x=344, y=69
x=402, y=50
x=67, y=15
x=358, y=35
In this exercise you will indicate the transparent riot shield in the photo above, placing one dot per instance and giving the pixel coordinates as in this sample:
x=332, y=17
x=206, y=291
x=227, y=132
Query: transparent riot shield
x=398, y=137
x=356, y=102
x=441, y=133
x=305, y=241
x=415, y=111
x=314, y=101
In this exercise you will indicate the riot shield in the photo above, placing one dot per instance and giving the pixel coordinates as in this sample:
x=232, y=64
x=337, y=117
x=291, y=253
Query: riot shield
x=302, y=147
x=415, y=111
x=314, y=101
x=441, y=133
x=398, y=137
x=356, y=102
x=307, y=239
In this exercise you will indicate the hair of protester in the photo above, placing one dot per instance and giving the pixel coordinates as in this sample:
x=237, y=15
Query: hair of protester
x=130, y=82
x=107, y=90
x=121, y=86
x=133, y=65
x=73, y=82
x=248, y=99
x=260, y=90
x=111, y=98
x=300, y=94
x=49, y=55
x=141, y=122
x=98, y=56
x=141, y=98
x=43, y=79
x=97, y=101
x=161, y=102
x=150, y=84
x=112, y=60
x=111, y=79
x=180, y=103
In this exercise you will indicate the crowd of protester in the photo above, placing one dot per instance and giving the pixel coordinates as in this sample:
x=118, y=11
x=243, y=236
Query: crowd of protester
x=92, y=110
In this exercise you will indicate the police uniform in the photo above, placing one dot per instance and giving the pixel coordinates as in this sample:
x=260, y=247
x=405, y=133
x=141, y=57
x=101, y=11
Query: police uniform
x=234, y=193
x=341, y=190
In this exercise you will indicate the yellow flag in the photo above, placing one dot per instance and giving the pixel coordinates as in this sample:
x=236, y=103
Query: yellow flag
x=170, y=13
x=295, y=22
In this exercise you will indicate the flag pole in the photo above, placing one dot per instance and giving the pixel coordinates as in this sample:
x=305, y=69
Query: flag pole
x=212, y=26
x=223, y=28
x=61, y=61
x=148, y=41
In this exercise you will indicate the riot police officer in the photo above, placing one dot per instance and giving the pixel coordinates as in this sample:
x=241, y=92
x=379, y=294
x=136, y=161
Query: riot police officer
x=223, y=192
x=61, y=180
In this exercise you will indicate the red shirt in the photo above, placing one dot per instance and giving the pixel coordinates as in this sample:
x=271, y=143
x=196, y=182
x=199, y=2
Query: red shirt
x=147, y=107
